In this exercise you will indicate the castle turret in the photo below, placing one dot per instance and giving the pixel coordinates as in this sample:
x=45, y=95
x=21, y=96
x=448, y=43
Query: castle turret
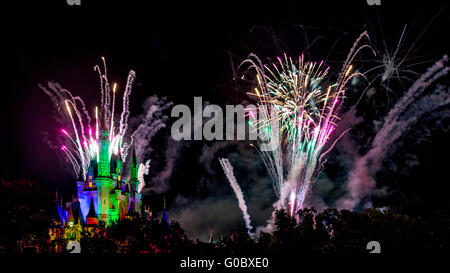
x=134, y=169
x=134, y=181
x=116, y=166
x=164, y=218
x=103, y=180
x=91, y=175
x=71, y=219
x=103, y=157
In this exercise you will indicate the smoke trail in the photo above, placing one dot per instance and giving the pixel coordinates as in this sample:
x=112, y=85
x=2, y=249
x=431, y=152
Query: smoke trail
x=108, y=92
x=143, y=170
x=102, y=89
x=228, y=170
x=126, y=101
x=360, y=180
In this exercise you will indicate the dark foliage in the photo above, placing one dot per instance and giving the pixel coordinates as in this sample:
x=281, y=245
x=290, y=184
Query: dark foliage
x=27, y=213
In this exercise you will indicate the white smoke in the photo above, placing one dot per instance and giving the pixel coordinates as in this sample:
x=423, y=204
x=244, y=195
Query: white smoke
x=143, y=170
x=149, y=124
x=405, y=113
x=228, y=170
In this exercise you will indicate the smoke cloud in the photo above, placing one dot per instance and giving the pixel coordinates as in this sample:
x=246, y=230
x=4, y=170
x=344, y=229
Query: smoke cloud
x=405, y=112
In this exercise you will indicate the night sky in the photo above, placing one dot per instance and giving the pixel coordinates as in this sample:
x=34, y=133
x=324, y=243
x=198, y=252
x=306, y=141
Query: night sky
x=182, y=50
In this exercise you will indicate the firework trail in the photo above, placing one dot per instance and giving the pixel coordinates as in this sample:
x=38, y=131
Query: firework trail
x=81, y=146
x=228, y=170
x=405, y=112
x=297, y=111
x=126, y=101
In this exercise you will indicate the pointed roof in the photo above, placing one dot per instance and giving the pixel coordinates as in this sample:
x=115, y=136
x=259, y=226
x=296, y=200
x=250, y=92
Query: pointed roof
x=92, y=213
x=131, y=210
x=164, y=217
x=70, y=219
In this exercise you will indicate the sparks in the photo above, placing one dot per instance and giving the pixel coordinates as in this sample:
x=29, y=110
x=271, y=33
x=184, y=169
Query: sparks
x=83, y=144
x=298, y=113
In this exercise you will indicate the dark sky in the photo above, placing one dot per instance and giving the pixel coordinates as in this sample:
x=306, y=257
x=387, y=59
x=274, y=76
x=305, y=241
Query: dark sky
x=178, y=50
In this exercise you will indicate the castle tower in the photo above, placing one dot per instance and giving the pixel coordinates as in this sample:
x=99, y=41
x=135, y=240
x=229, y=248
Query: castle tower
x=103, y=181
x=105, y=194
x=116, y=165
x=134, y=181
x=88, y=190
x=134, y=169
x=103, y=157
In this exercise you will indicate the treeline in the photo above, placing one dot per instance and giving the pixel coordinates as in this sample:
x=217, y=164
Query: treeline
x=27, y=213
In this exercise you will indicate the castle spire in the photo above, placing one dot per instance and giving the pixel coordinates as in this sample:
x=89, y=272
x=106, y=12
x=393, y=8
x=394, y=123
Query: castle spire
x=71, y=219
x=164, y=217
x=134, y=169
x=103, y=157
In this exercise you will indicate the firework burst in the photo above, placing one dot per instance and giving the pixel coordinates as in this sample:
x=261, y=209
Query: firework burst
x=298, y=108
x=80, y=142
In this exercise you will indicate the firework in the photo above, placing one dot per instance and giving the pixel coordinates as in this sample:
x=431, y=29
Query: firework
x=298, y=108
x=81, y=141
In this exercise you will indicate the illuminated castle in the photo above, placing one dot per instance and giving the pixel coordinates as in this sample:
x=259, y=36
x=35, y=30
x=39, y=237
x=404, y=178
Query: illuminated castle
x=105, y=194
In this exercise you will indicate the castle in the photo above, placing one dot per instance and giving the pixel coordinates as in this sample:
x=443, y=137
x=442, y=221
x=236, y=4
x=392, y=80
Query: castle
x=104, y=194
